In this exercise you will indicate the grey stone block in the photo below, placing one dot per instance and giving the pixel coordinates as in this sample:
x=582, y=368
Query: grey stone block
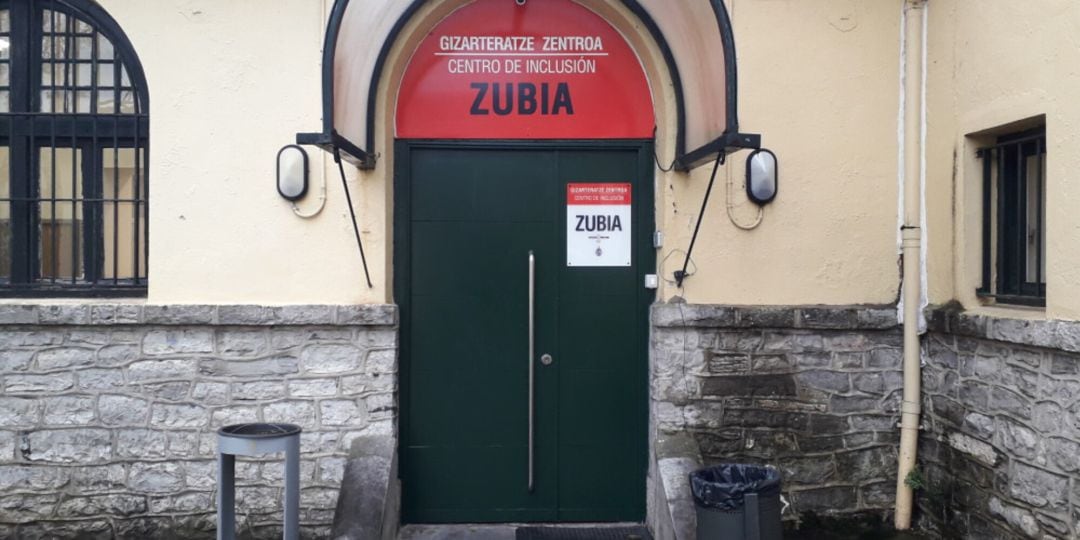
x=1049, y=418
x=100, y=379
x=98, y=478
x=759, y=418
x=331, y=358
x=828, y=318
x=73, y=314
x=178, y=416
x=854, y=404
x=1017, y=517
x=829, y=381
x=32, y=477
x=165, y=342
x=276, y=315
x=18, y=314
x=154, y=370
x=179, y=314
x=7, y=446
x=886, y=358
x=186, y=503
x=184, y=444
x=867, y=464
x=878, y=318
x=30, y=508
x=364, y=509
x=342, y=412
x=826, y=500
x=749, y=385
x=234, y=415
x=210, y=393
x=1064, y=364
x=164, y=477
x=82, y=446
x=241, y=343
x=117, y=355
x=313, y=387
x=168, y=391
x=140, y=444
x=813, y=470
x=301, y=413
x=121, y=410
x=38, y=384
x=32, y=338
x=692, y=315
x=1063, y=454
x=1038, y=487
x=115, y=314
x=65, y=357
x=258, y=390
x=763, y=317
x=69, y=410
x=382, y=361
x=368, y=315
x=15, y=360
x=267, y=367
x=1007, y=401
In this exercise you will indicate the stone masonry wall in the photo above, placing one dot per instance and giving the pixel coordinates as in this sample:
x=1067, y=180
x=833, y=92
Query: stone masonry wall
x=813, y=391
x=1000, y=454
x=108, y=413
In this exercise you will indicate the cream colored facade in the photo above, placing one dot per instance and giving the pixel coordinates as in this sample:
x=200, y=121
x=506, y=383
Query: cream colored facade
x=232, y=82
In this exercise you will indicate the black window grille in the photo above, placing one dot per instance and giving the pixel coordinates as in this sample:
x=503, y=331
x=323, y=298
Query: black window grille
x=74, y=149
x=1014, y=219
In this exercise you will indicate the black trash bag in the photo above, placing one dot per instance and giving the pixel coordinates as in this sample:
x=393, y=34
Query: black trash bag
x=722, y=487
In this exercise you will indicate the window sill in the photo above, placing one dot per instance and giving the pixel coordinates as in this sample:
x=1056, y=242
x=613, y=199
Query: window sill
x=1011, y=324
x=138, y=312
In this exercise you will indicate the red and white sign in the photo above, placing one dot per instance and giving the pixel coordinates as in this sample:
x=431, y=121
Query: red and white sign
x=549, y=69
x=598, y=225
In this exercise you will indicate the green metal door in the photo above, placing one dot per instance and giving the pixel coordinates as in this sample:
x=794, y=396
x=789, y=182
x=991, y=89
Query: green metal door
x=468, y=218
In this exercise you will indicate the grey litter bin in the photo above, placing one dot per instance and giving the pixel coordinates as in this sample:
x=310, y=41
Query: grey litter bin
x=256, y=440
x=737, y=502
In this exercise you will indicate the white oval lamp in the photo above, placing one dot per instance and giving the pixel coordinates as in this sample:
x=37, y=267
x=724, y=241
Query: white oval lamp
x=292, y=173
x=762, y=177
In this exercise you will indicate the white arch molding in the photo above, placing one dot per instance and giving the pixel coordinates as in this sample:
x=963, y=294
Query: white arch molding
x=369, y=43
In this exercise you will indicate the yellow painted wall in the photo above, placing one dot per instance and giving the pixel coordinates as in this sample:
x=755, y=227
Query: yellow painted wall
x=991, y=67
x=819, y=80
x=231, y=82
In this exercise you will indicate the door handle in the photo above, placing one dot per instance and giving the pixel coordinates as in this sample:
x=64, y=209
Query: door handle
x=532, y=370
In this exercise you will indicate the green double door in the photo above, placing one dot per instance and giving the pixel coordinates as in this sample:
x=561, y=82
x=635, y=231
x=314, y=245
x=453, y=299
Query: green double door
x=469, y=216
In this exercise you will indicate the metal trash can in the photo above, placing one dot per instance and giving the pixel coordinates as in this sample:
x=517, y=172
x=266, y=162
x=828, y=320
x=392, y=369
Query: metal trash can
x=737, y=502
x=256, y=440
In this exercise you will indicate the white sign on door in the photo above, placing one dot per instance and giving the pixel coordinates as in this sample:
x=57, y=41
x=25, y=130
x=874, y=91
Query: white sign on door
x=598, y=225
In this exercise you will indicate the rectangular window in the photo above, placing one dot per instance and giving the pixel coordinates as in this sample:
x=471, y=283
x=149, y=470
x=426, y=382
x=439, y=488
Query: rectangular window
x=1014, y=219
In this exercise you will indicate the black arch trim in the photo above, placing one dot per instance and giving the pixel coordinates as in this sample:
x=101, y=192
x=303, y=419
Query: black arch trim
x=365, y=157
x=105, y=24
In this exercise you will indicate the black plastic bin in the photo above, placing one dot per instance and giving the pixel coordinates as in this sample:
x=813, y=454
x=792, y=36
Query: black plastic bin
x=737, y=502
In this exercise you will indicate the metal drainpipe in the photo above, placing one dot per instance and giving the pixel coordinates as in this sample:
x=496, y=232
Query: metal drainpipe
x=910, y=408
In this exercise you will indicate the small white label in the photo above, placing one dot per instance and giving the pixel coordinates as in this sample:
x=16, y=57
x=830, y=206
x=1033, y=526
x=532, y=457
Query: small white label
x=598, y=224
x=652, y=281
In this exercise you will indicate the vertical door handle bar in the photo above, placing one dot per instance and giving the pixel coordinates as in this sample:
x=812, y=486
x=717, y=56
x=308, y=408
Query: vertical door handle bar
x=532, y=354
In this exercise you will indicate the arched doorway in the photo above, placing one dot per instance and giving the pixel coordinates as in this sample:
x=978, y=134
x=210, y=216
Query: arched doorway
x=523, y=222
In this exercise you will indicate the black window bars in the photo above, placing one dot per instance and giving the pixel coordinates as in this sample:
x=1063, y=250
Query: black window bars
x=74, y=145
x=1014, y=219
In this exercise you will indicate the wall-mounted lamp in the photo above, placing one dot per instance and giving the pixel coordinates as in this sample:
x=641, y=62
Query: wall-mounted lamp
x=762, y=177
x=292, y=173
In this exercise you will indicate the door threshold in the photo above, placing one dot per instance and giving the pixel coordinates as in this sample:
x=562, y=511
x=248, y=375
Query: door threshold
x=526, y=531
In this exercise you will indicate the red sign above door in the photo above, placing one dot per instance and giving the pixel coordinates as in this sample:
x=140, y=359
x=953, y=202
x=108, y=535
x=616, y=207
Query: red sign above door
x=549, y=69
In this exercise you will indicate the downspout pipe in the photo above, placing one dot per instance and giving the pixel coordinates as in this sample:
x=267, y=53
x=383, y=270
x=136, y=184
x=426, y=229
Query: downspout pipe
x=911, y=244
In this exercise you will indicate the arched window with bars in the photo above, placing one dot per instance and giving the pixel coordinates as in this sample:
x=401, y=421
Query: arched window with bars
x=74, y=149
